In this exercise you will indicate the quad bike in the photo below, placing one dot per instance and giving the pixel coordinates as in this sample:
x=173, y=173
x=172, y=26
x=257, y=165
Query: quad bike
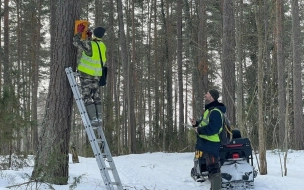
x=236, y=163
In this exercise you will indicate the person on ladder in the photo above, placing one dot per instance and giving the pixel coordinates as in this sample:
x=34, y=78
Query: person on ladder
x=90, y=69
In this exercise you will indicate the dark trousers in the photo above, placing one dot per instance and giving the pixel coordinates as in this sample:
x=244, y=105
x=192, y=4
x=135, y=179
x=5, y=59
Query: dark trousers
x=210, y=163
x=207, y=162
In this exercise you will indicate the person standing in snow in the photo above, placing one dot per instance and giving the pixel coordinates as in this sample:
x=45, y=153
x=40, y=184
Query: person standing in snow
x=208, y=141
x=90, y=69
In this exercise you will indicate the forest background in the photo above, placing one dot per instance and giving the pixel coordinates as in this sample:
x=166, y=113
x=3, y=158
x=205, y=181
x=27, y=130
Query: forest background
x=163, y=56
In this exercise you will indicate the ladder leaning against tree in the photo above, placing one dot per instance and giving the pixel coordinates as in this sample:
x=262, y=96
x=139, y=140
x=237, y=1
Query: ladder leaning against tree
x=99, y=144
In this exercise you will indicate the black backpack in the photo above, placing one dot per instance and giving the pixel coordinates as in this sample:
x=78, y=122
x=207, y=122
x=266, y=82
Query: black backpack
x=226, y=133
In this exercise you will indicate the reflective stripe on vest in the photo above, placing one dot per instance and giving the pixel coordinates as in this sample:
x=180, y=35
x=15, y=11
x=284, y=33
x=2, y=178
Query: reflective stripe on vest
x=92, y=65
x=205, y=122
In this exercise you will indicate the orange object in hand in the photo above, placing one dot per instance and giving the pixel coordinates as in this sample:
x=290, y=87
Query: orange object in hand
x=81, y=25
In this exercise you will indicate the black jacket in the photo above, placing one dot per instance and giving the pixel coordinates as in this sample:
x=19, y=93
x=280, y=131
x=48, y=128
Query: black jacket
x=215, y=123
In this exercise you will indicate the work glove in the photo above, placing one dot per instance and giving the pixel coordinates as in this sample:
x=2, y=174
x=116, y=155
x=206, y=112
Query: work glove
x=80, y=27
x=89, y=34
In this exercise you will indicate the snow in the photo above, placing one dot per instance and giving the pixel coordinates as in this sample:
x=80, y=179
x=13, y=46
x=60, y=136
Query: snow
x=160, y=171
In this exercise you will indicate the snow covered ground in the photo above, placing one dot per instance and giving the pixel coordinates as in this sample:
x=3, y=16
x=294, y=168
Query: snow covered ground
x=161, y=171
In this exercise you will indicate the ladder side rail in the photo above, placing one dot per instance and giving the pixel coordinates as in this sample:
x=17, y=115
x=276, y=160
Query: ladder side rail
x=94, y=144
x=109, y=155
x=78, y=98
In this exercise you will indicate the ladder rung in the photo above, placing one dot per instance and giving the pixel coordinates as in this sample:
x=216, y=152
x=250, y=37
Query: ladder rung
x=76, y=74
x=103, y=155
x=100, y=140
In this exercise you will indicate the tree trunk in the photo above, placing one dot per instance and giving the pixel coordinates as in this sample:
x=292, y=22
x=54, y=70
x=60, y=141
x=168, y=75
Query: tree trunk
x=188, y=48
x=180, y=73
x=51, y=161
x=281, y=72
x=262, y=146
x=168, y=126
x=35, y=73
x=149, y=77
x=111, y=107
x=1, y=53
x=8, y=91
x=228, y=59
x=286, y=127
x=203, y=64
x=239, y=60
x=99, y=13
x=156, y=112
x=20, y=86
x=131, y=89
x=297, y=84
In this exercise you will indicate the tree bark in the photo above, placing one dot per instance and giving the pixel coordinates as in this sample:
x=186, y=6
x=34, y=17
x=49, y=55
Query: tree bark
x=228, y=59
x=51, y=161
x=1, y=53
x=297, y=84
x=281, y=72
x=239, y=60
x=180, y=73
x=203, y=64
x=262, y=146
x=168, y=132
x=35, y=73
x=6, y=68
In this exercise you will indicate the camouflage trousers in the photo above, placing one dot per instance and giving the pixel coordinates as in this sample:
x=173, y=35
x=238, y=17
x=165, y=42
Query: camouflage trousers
x=90, y=89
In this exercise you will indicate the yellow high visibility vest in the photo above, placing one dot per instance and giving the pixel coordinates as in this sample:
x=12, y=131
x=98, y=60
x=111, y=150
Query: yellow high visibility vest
x=92, y=65
x=205, y=122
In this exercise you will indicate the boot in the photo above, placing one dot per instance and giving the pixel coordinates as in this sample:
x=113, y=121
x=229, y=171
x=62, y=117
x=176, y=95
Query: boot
x=91, y=110
x=216, y=181
x=98, y=113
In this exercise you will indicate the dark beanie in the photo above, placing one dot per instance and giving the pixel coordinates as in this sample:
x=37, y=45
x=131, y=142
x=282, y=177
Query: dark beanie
x=214, y=93
x=99, y=32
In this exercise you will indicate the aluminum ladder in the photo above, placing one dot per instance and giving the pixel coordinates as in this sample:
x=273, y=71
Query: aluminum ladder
x=99, y=144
